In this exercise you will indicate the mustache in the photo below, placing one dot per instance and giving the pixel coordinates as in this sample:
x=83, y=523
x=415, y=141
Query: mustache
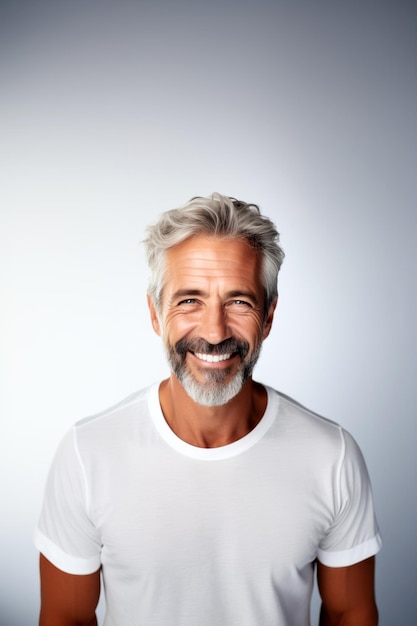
x=230, y=345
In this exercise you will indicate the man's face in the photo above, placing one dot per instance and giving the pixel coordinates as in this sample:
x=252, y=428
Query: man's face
x=212, y=318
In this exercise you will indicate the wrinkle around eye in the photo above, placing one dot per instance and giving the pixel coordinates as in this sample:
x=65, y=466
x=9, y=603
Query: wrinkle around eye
x=242, y=303
x=246, y=306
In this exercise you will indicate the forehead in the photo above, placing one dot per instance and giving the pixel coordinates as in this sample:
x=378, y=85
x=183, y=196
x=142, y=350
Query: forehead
x=207, y=257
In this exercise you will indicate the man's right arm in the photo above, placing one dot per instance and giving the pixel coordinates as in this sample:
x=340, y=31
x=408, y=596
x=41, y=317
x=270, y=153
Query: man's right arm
x=67, y=599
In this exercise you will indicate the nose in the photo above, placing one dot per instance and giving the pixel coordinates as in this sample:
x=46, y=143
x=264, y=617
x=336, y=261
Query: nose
x=213, y=324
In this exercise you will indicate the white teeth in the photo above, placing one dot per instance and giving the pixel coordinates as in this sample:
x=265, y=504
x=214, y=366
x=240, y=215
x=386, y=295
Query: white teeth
x=212, y=358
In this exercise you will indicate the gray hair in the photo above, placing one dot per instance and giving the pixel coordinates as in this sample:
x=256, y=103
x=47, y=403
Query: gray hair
x=217, y=215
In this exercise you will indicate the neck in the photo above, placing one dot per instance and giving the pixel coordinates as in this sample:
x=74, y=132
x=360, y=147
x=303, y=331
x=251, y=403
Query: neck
x=211, y=427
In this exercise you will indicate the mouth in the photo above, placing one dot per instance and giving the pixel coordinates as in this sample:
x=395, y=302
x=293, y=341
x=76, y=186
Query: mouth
x=215, y=356
x=212, y=358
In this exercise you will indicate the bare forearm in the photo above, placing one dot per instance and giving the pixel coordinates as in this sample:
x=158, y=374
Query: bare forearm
x=367, y=616
x=46, y=619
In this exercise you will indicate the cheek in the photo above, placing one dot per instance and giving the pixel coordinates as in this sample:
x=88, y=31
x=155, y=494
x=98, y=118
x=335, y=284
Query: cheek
x=250, y=328
x=176, y=327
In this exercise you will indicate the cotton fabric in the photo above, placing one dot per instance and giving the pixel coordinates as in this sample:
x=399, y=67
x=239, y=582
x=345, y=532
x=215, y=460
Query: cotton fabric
x=187, y=535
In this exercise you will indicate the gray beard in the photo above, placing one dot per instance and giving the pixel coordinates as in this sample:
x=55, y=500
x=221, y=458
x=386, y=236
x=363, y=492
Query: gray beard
x=214, y=391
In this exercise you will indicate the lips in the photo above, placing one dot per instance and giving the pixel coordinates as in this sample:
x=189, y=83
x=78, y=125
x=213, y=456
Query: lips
x=212, y=353
x=212, y=358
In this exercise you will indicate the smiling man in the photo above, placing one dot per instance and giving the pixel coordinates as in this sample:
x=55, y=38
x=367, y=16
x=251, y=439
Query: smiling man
x=209, y=498
x=213, y=320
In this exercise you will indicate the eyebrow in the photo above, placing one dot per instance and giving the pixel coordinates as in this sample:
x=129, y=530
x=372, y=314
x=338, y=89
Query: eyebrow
x=242, y=294
x=182, y=293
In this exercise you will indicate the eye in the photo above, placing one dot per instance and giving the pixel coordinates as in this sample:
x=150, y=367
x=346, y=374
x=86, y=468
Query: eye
x=242, y=303
x=187, y=301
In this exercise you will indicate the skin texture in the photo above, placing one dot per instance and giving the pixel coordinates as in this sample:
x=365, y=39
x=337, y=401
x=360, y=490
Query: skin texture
x=347, y=594
x=212, y=292
x=67, y=600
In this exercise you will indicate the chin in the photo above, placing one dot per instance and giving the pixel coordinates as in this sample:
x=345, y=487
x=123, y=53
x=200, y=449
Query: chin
x=212, y=394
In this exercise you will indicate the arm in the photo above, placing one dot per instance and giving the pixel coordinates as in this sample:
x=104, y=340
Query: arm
x=347, y=594
x=67, y=599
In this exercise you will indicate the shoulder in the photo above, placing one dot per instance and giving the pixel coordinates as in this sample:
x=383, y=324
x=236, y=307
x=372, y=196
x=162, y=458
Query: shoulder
x=115, y=410
x=114, y=426
x=295, y=416
x=309, y=431
x=116, y=415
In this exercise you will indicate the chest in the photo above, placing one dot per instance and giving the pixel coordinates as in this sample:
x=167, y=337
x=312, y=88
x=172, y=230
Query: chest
x=158, y=512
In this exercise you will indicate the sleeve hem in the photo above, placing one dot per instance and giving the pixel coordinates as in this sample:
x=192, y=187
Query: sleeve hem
x=356, y=554
x=63, y=561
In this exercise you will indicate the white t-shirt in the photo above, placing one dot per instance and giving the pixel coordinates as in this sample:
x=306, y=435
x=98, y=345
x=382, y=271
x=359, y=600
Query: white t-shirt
x=190, y=536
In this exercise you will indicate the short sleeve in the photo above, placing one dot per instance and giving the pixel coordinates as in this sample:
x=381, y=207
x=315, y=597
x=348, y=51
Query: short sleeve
x=66, y=535
x=353, y=535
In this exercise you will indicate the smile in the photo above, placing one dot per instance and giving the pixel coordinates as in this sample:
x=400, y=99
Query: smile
x=212, y=358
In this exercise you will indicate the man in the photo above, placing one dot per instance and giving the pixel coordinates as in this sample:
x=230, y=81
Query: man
x=209, y=499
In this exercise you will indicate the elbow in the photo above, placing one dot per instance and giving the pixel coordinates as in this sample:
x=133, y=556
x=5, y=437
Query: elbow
x=359, y=616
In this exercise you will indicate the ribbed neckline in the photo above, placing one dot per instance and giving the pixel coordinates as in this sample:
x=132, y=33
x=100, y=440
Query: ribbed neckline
x=211, y=454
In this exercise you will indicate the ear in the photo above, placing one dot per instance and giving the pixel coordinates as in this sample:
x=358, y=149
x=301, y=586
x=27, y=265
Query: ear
x=269, y=318
x=154, y=316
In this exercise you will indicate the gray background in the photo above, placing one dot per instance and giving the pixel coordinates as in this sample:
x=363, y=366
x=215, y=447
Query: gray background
x=112, y=112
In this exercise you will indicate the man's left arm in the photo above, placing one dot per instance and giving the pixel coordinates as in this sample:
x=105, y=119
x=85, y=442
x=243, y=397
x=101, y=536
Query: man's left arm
x=348, y=594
